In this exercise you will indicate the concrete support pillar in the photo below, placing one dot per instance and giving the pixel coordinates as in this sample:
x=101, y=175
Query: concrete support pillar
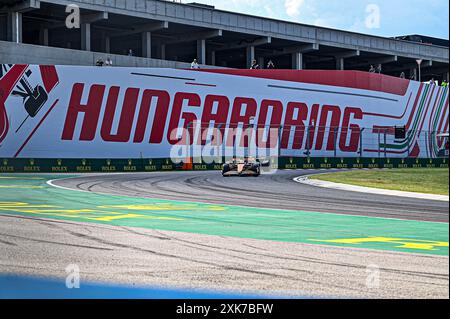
x=340, y=63
x=146, y=44
x=201, y=51
x=86, y=36
x=163, y=52
x=297, y=61
x=250, y=55
x=213, y=57
x=14, y=27
x=43, y=37
x=413, y=74
x=107, y=44
x=261, y=62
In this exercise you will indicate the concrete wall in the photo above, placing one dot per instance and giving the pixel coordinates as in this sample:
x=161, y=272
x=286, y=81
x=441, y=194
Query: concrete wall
x=18, y=53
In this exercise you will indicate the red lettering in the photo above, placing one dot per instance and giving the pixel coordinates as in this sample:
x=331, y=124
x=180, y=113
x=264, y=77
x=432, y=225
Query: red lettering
x=275, y=121
x=215, y=110
x=91, y=112
x=126, y=116
x=219, y=118
x=159, y=121
x=354, y=128
x=312, y=126
x=237, y=118
x=189, y=118
x=297, y=123
x=334, y=124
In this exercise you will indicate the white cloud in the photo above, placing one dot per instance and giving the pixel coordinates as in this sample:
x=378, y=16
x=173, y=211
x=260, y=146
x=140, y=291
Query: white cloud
x=293, y=7
x=397, y=17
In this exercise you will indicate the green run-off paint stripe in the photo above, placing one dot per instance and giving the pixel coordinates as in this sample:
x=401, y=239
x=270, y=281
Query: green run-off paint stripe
x=35, y=198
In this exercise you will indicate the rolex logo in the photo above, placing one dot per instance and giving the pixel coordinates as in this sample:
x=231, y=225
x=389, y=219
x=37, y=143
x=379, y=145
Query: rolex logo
x=32, y=162
x=130, y=162
x=59, y=162
x=325, y=160
x=83, y=162
x=291, y=160
x=357, y=160
x=342, y=161
x=373, y=161
x=108, y=162
x=150, y=162
x=5, y=162
x=403, y=161
x=167, y=161
x=309, y=160
x=417, y=161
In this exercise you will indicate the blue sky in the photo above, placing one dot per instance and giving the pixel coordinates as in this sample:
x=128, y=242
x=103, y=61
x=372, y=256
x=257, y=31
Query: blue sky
x=396, y=17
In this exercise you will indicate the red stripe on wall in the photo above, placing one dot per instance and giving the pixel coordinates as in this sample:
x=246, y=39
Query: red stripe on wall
x=7, y=84
x=428, y=106
x=439, y=97
x=49, y=76
x=381, y=129
x=413, y=112
x=348, y=79
x=443, y=116
x=397, y=117
x=36, y=128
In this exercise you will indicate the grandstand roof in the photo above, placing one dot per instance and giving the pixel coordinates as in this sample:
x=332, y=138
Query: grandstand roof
x=227, y=39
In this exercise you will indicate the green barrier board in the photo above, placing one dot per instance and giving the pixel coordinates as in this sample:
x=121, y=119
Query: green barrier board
x=28, y=165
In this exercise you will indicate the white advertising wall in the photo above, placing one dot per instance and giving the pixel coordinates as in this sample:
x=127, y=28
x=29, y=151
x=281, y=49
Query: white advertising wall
x=103, y=112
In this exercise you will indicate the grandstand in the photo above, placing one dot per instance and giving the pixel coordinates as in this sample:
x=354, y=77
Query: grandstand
x=168, y=34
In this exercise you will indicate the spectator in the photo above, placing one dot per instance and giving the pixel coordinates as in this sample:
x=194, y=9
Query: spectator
x=108, y=62
x=254, y=65
x=130, y=52
x=372, y=69
x=270, y=65
x=194, y=64
x=444, y=84
x=432, y=82
x=378, y=69
x=402, y=75
x=99, y=62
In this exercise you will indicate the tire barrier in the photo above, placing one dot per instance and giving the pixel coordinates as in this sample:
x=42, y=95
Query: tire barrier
x=23, y=165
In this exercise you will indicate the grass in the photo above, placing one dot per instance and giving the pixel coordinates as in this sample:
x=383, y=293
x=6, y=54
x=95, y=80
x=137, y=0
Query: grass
x=419, y=180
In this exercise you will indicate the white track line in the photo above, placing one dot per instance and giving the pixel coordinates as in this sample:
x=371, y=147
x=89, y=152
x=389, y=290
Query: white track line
x=369, y=190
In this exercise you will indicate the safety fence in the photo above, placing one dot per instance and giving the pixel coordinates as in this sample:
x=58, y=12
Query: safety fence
x=22, y=165
x=300, y=140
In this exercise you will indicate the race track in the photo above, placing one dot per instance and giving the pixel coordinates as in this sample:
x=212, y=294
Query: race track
x=198, y=230
x=277, y=191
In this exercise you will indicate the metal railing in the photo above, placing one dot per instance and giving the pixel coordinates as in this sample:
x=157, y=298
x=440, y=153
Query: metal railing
x=234, y=140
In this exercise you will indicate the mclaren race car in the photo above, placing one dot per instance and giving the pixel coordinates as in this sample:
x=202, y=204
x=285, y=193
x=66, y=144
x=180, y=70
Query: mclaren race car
x=243, y=167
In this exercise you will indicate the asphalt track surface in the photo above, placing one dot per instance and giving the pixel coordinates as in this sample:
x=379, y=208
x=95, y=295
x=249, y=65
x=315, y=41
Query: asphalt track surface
x=277, y=191
x=167, y=259
x=160, y=258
